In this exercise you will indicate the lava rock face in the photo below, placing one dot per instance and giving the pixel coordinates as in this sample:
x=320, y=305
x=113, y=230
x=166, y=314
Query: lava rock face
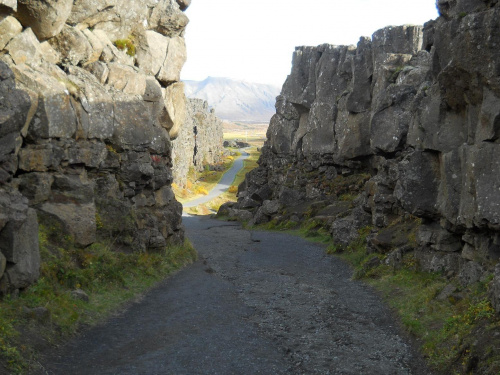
x=200, y=141
x=90, y=105
x=401, y=130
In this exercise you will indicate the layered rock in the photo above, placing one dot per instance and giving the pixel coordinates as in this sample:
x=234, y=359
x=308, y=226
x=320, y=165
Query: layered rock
x=401, y=129
x=90, y=104
x=199, y=143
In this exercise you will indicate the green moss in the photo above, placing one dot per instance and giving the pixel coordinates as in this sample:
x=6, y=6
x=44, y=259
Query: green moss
x=125, y=45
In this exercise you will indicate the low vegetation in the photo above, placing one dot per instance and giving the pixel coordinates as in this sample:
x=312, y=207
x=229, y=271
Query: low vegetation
x=126, y=45
x=199, y=183
x=447, y=326
x=230, y=195
x=459, y=332
x=53, y=308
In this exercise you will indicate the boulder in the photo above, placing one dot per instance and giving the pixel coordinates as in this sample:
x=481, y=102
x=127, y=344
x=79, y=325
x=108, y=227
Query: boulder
x=470, y=273
x=96, y=45
x=174, y=113
x=55, y=116
x=77, y=220
x=46, y=18
x=9, y=28
x=125, y=78
x=405, y=40
x=14, y=106
x=270, y=207
x=94, y=107
x=19, y=245
x=90, y=154
x=167, y=17
x=359, y=99
x=242, y=215
x=259, y=218
x=100, y=70
x=151, y=51
x=118, y=19
x=74, y=46
x=74, y=189
x=225, y=208
x=49, y=54
x=437, y=238
x=391, y=119
x=39, y=158
x=8, y=6
x=25, y=48
x=174, y=61
x=134, y=129
x=418, y=183
x=164, y=196
x=35, y=187
x=346, y=230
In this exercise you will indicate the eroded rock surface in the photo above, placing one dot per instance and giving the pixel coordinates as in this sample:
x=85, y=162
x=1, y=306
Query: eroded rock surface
x=199, y=142
x=400, y=130
x=86, y=121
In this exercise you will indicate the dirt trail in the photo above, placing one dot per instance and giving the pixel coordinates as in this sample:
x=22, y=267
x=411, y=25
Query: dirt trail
x=254, y=303
x=224, y=184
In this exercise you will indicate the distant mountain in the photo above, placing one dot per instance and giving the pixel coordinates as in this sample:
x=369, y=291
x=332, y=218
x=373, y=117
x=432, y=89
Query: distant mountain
x=235, y=100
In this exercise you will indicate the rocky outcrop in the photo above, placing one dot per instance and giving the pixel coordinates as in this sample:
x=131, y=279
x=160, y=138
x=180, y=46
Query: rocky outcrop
x=402, y=132
x=199, y=143
x=90, y=104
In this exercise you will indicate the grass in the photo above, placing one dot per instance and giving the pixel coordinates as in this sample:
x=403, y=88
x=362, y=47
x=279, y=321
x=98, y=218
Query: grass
x=109, y=278
x=200, y=183
x=444, y=327
x=230, y=195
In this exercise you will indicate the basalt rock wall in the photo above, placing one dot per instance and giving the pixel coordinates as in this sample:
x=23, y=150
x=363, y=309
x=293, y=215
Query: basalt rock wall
x=199, y=143
x=400, y=135
x=90, y=101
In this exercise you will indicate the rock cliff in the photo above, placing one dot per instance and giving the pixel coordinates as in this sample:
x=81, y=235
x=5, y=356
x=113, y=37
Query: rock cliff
x=399, y=134
x=90, y=101
x=200, y=141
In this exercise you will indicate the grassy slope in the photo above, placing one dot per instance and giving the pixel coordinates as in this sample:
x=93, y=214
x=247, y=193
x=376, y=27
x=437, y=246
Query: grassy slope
x=109, y=278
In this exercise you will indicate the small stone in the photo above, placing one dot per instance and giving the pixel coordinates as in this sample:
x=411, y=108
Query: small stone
x=80, y=295
x=446, y=292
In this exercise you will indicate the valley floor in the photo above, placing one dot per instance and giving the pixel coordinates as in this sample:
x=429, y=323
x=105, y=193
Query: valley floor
x=254, y=303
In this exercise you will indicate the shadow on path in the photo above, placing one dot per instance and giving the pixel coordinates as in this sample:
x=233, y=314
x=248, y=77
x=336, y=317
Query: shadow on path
x=254, y=303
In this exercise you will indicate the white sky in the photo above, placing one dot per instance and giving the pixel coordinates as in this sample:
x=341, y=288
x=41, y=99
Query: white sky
x=253, y=40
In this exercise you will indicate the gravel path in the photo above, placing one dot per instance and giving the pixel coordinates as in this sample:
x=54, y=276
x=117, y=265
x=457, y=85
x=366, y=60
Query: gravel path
x=254, y=303
x=224, y=184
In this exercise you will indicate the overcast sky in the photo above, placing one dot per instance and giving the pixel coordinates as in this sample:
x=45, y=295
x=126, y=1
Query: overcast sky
x=253, y=40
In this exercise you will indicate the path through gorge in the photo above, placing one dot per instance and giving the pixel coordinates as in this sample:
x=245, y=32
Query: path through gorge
x=254, y=303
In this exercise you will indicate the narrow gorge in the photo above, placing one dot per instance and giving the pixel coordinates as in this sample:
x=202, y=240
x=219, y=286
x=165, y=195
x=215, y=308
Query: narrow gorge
x=399, y=136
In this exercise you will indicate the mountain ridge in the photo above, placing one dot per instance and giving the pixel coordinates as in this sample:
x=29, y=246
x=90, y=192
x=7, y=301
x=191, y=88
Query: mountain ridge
x=235, y=100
